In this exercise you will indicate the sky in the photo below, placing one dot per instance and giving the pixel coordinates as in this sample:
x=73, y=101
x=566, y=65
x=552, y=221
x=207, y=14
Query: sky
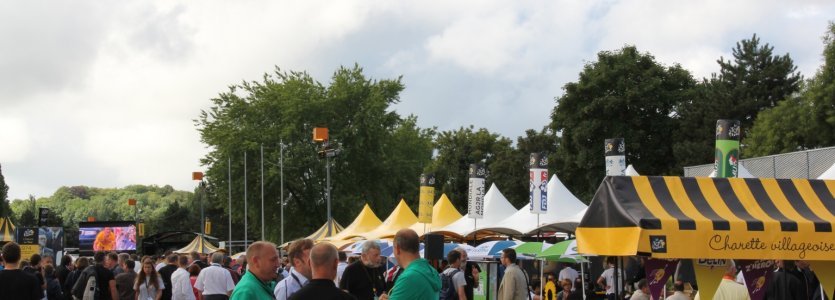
x=104, y=93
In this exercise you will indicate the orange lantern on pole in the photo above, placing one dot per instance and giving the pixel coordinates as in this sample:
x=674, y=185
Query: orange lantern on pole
x=196, y=175
x=320, y=134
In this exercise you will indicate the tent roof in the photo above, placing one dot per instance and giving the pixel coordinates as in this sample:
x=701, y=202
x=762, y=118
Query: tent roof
x=562, y=205
x=496, y=209
x=200, y=245
x=711, y=218
x=828, y=174
x=401, y=217
x=366, y=221
x=741, y=173
x=630, y=171
x=330, y=228
x=6, y=230
x=443, y=214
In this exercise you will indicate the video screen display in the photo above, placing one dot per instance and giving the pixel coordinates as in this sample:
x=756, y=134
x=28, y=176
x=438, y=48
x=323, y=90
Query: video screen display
x=107, y=236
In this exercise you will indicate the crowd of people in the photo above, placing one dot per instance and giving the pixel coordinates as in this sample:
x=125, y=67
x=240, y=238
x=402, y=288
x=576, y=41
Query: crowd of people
x=320, y=271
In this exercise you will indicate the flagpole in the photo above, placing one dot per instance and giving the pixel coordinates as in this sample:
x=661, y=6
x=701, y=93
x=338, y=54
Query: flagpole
x=246, y=222
x=262, y=192
x=229, y=179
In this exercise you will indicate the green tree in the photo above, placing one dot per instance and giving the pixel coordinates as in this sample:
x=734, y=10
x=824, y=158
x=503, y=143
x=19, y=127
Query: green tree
x=5, y=210
x=625, y=94
x=756, y=79
x=381, y=153
x=798, y=123
x=457, y=149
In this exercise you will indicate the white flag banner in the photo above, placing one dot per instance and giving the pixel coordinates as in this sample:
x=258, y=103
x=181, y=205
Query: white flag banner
x=538, y=188
x=475, y=194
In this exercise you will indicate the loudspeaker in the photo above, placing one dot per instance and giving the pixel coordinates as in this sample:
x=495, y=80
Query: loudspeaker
x=434, y=247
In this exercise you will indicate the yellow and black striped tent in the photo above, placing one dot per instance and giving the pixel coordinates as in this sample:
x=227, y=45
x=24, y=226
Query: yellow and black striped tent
x=330, y=228
x=200, y=245
x=6, y=230
x=711, y=218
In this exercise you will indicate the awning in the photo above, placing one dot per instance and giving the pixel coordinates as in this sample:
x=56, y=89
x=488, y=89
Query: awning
x=496, y=209
x=443, y=214
x=330, y=228
x=401, y=217
x=562, y=207
x=711, y=218
x=199, y=245
x=366, y=221
x=6, y=230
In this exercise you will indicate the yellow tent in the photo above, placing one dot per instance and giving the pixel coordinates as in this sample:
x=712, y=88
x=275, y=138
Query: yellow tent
x=401, y=217
x=199, y=245
x=366, y=221
x=330, y=228
x=6, y=230
x=443, y=214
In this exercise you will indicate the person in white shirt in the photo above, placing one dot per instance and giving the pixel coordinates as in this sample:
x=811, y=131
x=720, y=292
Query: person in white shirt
x=568, y=273
x=180, y=283
x=642, y=293
x=609, y=279
x=679, y=292
x=340, y=268
x=215, y=282
x=299, y=253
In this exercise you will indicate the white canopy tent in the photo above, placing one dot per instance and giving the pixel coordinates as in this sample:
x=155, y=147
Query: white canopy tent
x=829, y=174
x=741, y=173
x=562, y=206
x=496, y=209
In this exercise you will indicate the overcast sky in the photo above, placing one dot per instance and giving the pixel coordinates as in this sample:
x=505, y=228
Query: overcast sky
x=103, y=93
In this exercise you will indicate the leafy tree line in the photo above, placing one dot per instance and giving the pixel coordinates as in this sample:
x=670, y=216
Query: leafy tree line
x=666, y=115
x=161, y=208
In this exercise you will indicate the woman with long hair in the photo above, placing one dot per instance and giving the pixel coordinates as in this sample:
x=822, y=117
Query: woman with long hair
x=148, y=284
x=193, y=272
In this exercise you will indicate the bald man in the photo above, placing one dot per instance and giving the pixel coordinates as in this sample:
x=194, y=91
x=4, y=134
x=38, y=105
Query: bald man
x=258, y=283
x=324, y=259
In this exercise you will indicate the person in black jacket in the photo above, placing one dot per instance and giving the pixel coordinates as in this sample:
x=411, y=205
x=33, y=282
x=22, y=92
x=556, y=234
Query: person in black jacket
x=165, y=272
x=53, y=287
x=81, y=263
x=323, y=259
x=15, y=283
x=785, y=285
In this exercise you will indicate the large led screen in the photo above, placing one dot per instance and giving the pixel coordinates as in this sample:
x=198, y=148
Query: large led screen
x=107, y=236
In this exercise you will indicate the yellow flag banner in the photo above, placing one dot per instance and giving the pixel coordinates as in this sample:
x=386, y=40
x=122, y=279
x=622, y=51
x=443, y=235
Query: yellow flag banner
x=826, y=274
x=427, y=200
x=709, y=274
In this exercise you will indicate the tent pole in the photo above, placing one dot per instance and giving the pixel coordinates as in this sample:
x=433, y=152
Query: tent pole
x=583, y=279
x=541, y=274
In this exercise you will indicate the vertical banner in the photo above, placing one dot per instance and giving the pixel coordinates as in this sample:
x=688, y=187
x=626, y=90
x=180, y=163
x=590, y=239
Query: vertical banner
x=709, y=274
x=538, y=191
x=726, y=159
x=757, y=274
x=615, y=154
x=475, y=195
x=427, y=198
x=658, y=271
x=43, y=214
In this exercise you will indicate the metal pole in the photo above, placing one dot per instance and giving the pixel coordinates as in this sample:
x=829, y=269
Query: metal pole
x=262, y=193
x=229, y=179
x=246, y=222
x=328, y=188
x=202, y=214
x=281, y=170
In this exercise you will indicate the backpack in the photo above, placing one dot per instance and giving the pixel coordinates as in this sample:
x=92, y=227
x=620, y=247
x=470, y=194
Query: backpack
x=85, y=287
x=448, y=290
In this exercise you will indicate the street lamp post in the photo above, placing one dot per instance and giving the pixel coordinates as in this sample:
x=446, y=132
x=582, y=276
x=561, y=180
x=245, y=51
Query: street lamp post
x=199, y=176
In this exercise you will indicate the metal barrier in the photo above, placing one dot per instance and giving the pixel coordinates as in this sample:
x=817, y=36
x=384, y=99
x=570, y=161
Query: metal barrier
x=802, y=164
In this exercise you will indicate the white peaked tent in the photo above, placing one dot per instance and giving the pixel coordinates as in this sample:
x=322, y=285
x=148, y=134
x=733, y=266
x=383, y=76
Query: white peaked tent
x=496, y=209
x=829, y=174
x=562, y=205
x=630, y=171
x=741, y=173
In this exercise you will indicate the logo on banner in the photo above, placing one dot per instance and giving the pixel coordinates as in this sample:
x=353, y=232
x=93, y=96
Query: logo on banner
x=538, y=192
x=658, y=243
x=712, y=263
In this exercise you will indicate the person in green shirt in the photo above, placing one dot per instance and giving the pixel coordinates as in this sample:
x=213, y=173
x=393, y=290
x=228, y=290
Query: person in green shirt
x=419, y=280
x=259, y=281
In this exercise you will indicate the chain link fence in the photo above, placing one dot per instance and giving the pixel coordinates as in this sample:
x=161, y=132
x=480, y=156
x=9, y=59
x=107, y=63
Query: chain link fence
x=801, y=164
